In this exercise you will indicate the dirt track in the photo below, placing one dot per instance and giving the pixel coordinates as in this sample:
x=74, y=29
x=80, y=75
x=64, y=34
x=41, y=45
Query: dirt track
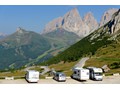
x=106, y=80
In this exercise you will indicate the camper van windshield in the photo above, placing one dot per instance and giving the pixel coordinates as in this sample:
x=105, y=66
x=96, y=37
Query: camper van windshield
x=34, y=77
x=98, y=74
x=62, y=75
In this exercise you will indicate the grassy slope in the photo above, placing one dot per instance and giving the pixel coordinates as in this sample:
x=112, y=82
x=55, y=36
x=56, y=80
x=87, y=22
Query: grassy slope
x=106, y=55
x=64, y=67
x=60, y=40
x=82, y=48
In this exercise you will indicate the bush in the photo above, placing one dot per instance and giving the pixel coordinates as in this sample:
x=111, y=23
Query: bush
x=115, y=65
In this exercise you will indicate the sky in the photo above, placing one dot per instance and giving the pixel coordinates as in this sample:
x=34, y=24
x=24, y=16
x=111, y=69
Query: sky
x=35, y=17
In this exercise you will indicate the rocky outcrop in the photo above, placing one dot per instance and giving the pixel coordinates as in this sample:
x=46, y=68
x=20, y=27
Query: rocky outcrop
x=53, y=25
x=114, y=24
x=90, y=21
x=72, y=22
x=107, y=16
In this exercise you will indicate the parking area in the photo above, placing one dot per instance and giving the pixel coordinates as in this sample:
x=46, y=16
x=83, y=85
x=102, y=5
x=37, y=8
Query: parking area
x=106, y=80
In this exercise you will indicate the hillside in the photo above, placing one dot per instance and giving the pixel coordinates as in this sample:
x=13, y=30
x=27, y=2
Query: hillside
x=93, y=44
x=20, y=48
x=61, y=38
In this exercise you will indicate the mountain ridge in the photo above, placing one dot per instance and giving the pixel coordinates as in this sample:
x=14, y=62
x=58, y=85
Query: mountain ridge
x=71, y=22
x=88, y=46
x=20, y=48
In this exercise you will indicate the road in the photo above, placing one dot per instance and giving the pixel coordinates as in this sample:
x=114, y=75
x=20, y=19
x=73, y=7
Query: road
x=106, y=80
x=46, y=69
x=81, y=63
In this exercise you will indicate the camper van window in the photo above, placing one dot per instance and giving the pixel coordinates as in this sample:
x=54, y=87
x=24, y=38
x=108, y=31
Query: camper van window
x=57, y=75
x=87, y=73
x=62, y=75
x=98, y=74
x=75, y=72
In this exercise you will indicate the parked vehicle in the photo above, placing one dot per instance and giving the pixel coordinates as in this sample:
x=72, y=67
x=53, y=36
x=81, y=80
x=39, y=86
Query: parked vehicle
x=96, y=73
x=59, y=76
x=80, y=74
x=32, y=76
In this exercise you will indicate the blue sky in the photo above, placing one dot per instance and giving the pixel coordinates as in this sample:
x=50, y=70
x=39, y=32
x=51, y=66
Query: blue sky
x=34, y=18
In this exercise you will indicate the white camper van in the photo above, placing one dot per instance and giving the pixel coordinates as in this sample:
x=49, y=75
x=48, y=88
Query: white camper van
x=80, y=73
x=32, y=76
x=59, y=76
x=96, y=73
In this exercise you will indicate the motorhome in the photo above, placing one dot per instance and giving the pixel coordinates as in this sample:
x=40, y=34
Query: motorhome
x=80, y=74
x=96, y=73
x=59, y=76
x=32, y=76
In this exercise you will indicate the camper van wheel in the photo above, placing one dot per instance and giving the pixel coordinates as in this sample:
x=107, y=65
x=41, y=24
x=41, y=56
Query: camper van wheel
x=72, y=77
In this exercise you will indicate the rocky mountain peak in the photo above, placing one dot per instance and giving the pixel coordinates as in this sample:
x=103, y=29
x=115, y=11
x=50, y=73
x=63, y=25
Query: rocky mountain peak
x=90, y=21
x=114, y=24
x=107, y=16
x=20, y=30
x=72, y=22
x=53, y=25
x=74, y=12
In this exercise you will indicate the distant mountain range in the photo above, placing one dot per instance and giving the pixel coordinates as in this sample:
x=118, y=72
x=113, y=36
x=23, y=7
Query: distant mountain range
x=24, y=48
x=2, y=35
x=20, y=48
x=73, y=22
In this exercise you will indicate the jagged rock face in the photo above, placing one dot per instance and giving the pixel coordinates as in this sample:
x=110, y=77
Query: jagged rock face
x=107, y=16
x=53, y=25
x=72, y=22
x=114, y=24
x=90, y=21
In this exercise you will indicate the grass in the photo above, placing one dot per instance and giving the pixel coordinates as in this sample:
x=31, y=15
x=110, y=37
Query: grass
x=106, y=55
x=17, y=74
x=111, y=51
x=99, y=62
x=64, y=67
x=112, y=71
x=37, y=69
x=42, y=77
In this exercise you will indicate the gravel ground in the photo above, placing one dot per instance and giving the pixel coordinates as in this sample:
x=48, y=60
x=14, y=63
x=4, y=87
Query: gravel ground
x=106, y=80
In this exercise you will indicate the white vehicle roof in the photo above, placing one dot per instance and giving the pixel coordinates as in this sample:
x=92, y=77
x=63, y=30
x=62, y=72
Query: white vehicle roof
x=91, y=67
x=78, y=68
x=95, y=69
x=32, y=71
